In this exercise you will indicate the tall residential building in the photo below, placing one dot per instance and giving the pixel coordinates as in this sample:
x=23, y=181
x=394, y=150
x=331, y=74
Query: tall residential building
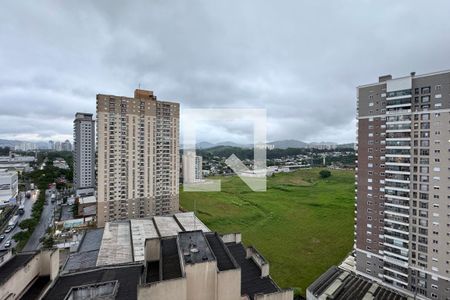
x=192, y=167
x=58, y=146
x=84, y=153
x=403, y=184
x=138, y=156
x=66, y=146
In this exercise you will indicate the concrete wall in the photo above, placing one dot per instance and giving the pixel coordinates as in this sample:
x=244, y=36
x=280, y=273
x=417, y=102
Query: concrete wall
x=229, y=285
x=21, y=279
x=201, y=280
x=5, y=257
x=259, y=260
x=152, y=249
x=49, y=263
x=282, y=295
x=168, y=289
x=42, y=264
x=232, y=238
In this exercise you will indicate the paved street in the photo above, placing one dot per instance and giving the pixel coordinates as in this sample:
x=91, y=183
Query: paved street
x=28, y=204
x=46, y=218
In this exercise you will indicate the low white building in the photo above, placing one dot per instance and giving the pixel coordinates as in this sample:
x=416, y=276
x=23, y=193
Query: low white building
x=9, y=186
x=60, y=163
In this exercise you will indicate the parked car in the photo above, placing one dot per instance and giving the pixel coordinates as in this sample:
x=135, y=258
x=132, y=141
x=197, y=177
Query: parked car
x=2, y=237
x=8, y=229
x=8, y=244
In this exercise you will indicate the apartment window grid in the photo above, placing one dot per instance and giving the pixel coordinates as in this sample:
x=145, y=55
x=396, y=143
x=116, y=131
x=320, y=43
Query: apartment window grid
x=413, y=183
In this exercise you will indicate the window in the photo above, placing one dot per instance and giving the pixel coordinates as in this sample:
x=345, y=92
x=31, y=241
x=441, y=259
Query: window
x=426, y=90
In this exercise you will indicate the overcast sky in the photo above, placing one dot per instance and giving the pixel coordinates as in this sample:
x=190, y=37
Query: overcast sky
x=301, y=60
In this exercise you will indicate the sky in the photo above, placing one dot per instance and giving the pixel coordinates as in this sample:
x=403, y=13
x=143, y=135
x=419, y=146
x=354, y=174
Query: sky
x=299, y=60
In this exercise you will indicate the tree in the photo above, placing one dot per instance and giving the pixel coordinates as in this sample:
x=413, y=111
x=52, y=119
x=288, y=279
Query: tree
x=28, y=224
x=324, y=174
x=48, y=242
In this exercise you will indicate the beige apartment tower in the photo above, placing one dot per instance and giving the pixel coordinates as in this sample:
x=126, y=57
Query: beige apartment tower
x=403, y=184
x=138, y=156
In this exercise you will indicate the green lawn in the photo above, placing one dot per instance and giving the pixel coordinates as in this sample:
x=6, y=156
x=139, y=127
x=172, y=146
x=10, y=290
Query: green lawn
x=303, y=224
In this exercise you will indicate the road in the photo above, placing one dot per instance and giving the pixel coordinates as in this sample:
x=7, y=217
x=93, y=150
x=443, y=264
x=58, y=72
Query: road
x=28, y=204
x=46, y=219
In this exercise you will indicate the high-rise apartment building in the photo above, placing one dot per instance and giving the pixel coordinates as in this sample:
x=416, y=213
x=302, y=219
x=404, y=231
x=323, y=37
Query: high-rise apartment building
x=66, y=146
x=138, y=156
x=192, y=167
x=84, y=153
x=403, y=184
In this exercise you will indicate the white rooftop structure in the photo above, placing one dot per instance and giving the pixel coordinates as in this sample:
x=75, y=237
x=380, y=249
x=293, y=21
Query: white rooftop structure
x=142, y=229
x=87, y=200
x=116, y=244
x=123, y=241
x=190, y=222
x=167, y=226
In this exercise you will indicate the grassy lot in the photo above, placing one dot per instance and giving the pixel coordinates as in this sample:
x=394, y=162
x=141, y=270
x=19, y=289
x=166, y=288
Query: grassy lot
x=303, y=224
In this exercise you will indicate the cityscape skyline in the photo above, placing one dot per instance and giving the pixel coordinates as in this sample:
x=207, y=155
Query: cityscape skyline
x=225, y=150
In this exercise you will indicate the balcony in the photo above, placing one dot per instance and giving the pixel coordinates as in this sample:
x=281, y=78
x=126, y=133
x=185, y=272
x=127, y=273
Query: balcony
x=399, y=111
x=395, y=227
x=388, y=233
x=396, y=205
x=398, y=153
x=403, y=178
x=396, y=94
x=398, y=186
x=399, y=220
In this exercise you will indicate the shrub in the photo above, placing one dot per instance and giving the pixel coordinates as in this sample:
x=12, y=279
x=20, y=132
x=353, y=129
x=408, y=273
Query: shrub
x=324, y=174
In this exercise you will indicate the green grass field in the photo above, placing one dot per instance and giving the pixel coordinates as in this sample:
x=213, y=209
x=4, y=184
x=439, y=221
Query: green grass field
x=303, y=224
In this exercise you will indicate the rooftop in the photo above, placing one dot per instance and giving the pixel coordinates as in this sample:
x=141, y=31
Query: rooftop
x=190, y=222
x=167, y=226
x=251, y=281
x=81, y=260
x=87, y=253
x=170, y=258
x=116, y=244
x=123, y=241
x=194, y=247
x=127, y=277
x=92, y=240
x=142, y=229
x=224, y=259
x=339, y=284
x=87, y=200
x=382, y=79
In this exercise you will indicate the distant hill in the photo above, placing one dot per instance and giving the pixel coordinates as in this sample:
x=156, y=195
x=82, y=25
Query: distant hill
x=349, y=145
x=208, y=145
x=204, y=145
x=12, y=143
x=282, y=144
x=9, y=143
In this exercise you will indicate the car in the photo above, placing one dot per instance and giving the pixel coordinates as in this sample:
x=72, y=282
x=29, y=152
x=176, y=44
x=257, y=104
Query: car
x=8, y=229
x=2, y=237
x=8, y=244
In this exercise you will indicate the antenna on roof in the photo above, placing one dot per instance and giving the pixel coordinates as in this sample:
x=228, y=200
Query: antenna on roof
x=195, y=218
